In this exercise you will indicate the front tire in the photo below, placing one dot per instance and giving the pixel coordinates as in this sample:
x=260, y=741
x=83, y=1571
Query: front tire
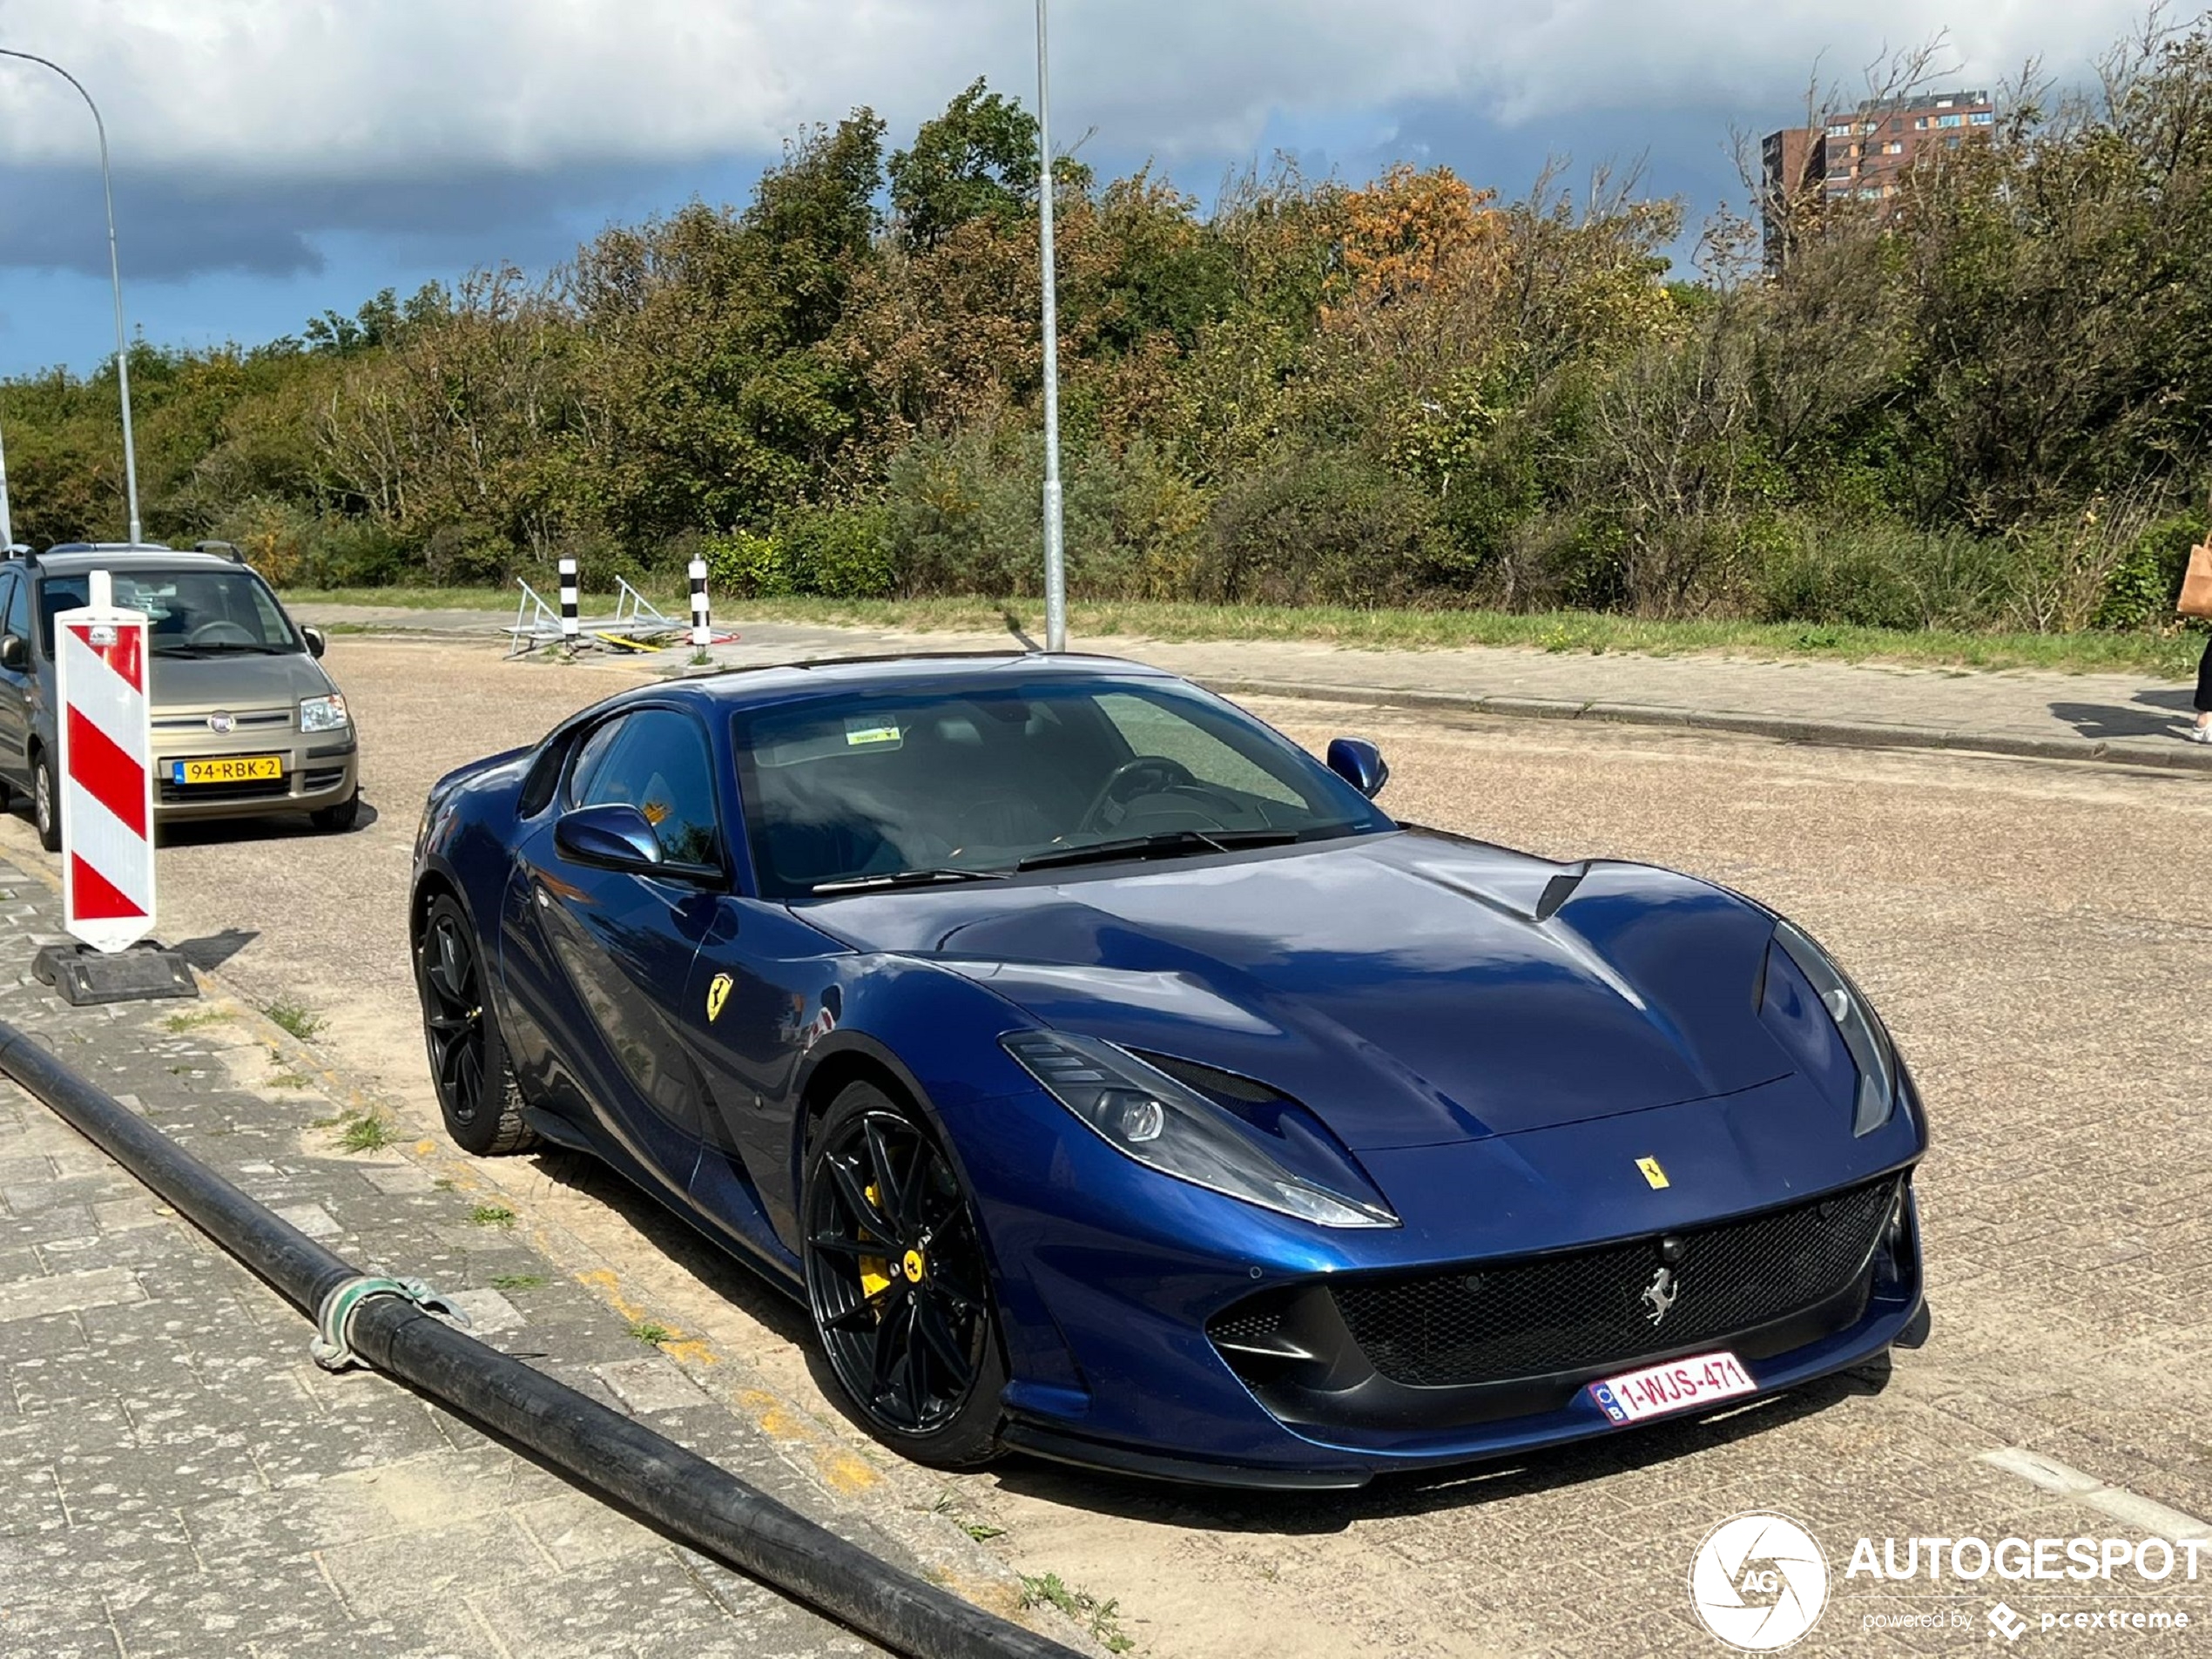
x=339, y=819
x=898, y=1283
x=477, y=1093
x=45, y=807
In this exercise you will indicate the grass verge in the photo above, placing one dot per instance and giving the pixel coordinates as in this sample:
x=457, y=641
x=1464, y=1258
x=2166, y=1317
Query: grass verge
x=2161, y=656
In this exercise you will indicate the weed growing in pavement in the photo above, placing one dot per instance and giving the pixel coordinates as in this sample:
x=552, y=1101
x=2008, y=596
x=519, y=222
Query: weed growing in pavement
x=516, y=1281
x=290, y=1080
x=982, y=1532
x=1100, y=1618
x=492, y=1215
x=192, y=1020
x=365, y=1132
x=295, y=1018
x=651, y=1334
x=444, y=1183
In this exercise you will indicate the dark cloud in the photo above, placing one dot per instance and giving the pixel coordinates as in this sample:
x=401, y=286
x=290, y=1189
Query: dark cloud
x=177, y=227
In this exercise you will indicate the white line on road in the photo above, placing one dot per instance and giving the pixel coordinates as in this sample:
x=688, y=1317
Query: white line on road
x=2131, y=1508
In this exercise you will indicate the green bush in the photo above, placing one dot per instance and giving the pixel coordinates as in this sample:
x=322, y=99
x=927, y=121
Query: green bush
x=748, y=565
x=834, y=552
x=1881, y=576
x=966, y=515
x=2143, y=586
x=1323, y=528
x=839, y=552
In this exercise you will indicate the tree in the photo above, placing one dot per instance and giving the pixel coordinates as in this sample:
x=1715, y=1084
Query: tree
x=977, y=161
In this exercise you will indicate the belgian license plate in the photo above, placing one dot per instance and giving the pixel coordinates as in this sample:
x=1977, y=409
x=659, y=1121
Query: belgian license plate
x=237, y=769
x=1678, y=1386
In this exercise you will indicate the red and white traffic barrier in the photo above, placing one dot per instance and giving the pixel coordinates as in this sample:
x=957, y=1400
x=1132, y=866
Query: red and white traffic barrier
x=106, y=781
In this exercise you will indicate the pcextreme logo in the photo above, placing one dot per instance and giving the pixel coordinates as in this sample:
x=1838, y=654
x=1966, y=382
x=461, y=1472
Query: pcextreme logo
x=1759, y=1581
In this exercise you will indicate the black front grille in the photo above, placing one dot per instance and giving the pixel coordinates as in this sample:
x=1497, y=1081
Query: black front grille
x=1246, y=1327
x=1494, y=1321
x=239, y=789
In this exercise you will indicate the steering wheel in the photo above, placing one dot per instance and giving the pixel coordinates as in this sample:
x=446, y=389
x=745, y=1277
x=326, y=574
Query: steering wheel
x=221, y=631
x=1143, y=775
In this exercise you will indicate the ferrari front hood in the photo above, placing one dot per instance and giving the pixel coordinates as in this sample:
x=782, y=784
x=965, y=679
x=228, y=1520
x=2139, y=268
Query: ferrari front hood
x=1410, y=988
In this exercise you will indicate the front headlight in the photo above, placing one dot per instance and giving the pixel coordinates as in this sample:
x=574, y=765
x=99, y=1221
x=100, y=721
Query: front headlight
x=1147, y=1115
x=1873, y=1055
x=322, y=713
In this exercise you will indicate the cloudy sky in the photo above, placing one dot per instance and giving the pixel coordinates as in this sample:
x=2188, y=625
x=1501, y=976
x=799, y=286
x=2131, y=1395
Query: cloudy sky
x=273, y=158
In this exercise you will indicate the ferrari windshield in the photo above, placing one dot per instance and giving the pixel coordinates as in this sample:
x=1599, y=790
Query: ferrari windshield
x=854, y=792
x=194, y=612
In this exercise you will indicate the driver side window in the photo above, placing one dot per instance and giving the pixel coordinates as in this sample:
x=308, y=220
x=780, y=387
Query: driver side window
x=657, y=761
x=15, y=610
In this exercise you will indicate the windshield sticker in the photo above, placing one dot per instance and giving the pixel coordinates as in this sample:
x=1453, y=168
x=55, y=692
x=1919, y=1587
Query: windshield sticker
x=861, y=731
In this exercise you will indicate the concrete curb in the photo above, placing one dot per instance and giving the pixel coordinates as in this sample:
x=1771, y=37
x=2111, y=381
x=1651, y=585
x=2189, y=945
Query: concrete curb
x=1787, y=728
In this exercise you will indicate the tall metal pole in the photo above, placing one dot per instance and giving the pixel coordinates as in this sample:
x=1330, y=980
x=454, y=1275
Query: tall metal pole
x=1055, y=573
x=7, y=518
x=115, y=276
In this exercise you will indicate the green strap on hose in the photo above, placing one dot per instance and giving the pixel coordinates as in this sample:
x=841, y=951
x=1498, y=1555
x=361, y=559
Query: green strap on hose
x=331, y=1345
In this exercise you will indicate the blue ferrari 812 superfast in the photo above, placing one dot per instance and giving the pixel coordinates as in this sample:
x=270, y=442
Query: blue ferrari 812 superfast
x=1115, y=1081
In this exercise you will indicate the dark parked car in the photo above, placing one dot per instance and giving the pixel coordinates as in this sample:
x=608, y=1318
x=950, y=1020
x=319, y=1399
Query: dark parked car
x=1115, y=1081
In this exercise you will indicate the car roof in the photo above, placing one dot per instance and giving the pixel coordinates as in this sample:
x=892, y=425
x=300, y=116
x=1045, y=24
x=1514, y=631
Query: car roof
x=945, y=673
x=73, y=559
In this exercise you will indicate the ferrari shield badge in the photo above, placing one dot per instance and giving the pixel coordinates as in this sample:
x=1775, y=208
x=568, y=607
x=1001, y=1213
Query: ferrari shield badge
x=717, y=993
x=1655, y=1176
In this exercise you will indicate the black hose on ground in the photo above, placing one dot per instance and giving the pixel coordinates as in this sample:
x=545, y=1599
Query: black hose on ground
x=695, y=1501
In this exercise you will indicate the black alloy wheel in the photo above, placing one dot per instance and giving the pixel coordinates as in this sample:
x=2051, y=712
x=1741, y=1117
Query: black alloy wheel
x=899, y=1286
x=477, y=1093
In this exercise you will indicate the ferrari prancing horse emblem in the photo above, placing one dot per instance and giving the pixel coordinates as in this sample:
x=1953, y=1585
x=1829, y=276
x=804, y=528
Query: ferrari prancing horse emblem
x=1652, y=1172
x=717, y=993
x=1659, y=1295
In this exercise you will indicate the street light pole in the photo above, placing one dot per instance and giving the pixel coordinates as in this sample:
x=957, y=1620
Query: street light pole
x=7, y=518
x=115, y=276
x=1055, y=573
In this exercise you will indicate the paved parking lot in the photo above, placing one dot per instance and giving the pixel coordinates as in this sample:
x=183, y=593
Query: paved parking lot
x=2037, y=936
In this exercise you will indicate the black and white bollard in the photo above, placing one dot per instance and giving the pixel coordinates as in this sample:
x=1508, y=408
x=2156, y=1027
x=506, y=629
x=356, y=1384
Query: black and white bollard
x=568, y=625
x=702, y=632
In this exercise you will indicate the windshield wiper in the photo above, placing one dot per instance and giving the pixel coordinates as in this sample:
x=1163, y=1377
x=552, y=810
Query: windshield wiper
x=904, y=878
x=1168, y=844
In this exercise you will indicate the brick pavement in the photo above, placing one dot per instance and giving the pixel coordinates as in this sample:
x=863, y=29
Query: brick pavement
x=177, y=1478
x=2085, y=716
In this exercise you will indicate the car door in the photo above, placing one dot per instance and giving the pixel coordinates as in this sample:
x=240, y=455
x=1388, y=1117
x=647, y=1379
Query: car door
x=763, y=990
x=16, y=684
x=605, y=955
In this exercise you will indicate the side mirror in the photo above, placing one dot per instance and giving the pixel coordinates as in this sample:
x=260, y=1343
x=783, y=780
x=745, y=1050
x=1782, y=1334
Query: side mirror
x=14, y=654
x=1360, y=764
x=318, y=642
x=614, y=837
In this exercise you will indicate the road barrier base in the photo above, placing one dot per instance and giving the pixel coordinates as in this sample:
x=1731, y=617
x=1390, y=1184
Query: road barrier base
x=85, y=976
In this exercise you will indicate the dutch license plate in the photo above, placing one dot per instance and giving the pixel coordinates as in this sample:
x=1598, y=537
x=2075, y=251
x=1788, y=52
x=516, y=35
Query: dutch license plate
x=239, y=769
x=1678, y=1386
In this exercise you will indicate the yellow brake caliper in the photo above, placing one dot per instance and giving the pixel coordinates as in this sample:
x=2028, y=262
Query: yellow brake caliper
x=875, y=1272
